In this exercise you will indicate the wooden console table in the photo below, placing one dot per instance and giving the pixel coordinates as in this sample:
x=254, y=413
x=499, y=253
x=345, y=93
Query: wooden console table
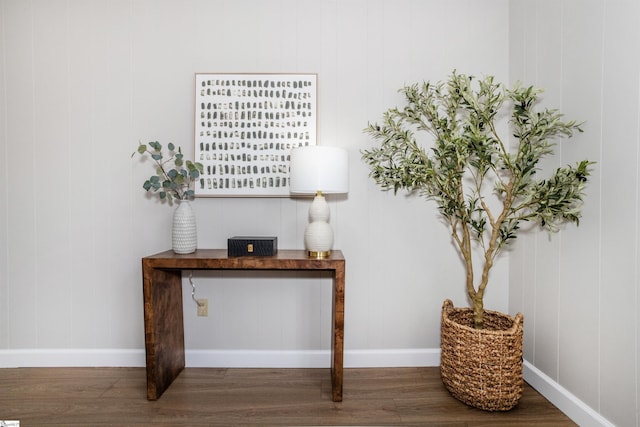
x=163, y=319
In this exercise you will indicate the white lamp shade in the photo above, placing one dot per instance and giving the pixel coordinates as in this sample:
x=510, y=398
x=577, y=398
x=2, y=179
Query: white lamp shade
x=318, y=168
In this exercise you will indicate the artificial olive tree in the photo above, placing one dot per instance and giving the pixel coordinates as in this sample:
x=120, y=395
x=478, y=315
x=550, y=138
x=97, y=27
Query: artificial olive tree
x=469, y=162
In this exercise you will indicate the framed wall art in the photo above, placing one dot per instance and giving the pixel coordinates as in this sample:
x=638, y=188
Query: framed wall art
x=245, y=128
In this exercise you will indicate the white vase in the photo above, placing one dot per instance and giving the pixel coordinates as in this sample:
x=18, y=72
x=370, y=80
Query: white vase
x=184, y=238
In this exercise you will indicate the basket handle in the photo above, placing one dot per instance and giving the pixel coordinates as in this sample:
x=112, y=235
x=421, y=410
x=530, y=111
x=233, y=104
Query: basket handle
x=447, y=306
x=517, y=321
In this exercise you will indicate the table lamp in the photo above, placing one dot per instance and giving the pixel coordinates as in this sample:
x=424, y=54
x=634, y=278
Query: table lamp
x=318, y=170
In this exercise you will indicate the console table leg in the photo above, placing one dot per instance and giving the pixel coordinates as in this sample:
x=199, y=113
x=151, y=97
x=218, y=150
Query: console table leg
x=164, y=328
x=337, y=361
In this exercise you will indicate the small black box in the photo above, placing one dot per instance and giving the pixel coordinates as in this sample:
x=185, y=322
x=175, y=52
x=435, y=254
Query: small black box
x=252, y=246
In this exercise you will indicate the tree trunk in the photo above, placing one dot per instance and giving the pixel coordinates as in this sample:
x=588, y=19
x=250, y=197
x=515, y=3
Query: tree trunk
x=478, y=312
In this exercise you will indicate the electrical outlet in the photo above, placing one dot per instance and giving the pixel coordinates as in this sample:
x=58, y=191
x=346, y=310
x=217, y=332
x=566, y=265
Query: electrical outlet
x=203, y=307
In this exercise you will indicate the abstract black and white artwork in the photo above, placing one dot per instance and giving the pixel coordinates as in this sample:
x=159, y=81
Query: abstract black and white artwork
x=245, y=128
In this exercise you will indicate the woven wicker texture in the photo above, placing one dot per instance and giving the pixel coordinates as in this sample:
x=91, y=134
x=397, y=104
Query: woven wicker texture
x=482, y=367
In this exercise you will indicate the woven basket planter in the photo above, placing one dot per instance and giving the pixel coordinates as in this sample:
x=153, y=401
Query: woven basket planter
x=482, y=367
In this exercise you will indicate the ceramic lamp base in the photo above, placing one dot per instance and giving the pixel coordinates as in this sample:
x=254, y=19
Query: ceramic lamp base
x=318, y=236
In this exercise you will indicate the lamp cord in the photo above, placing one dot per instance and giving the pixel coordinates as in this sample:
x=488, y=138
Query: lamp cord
x=193, y=290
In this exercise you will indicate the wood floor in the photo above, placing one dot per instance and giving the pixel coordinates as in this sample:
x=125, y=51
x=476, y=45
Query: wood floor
x=269, y=397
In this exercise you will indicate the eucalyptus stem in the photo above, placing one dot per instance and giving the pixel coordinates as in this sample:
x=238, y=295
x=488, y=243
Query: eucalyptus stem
x=169, y=184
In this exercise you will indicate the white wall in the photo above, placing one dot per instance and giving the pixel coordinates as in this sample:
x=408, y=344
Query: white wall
x=84, y=81
x=579, y=289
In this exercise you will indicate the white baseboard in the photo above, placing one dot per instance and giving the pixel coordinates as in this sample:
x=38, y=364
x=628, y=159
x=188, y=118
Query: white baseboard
x=574, y=408
x=395, y=358
x=310, y=358
x=48, y=358
x=257, y=358
x=220, y=358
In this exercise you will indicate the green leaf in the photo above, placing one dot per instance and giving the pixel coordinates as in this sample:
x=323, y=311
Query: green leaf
x=170, y=182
